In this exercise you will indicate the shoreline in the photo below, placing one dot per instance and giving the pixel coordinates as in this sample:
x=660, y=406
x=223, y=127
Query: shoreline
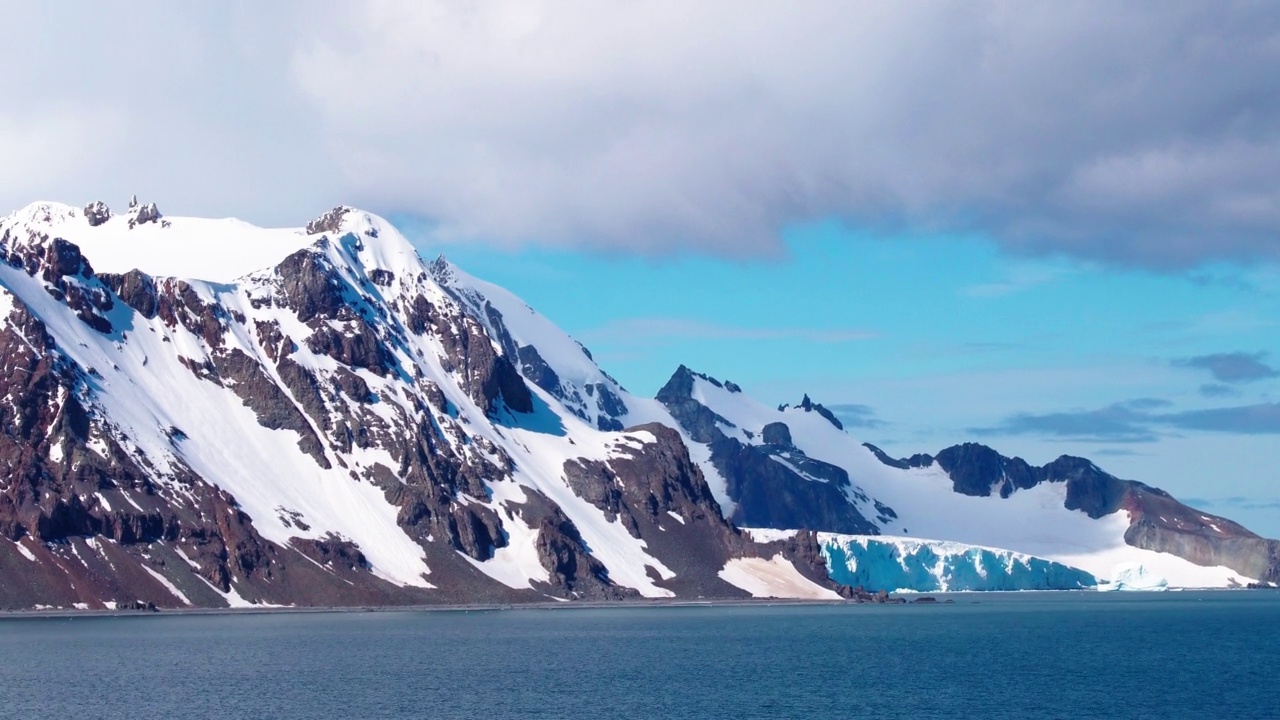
x=937, y=598
x=446, y=607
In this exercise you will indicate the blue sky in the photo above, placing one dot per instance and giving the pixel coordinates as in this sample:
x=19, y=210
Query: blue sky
x=930, y=341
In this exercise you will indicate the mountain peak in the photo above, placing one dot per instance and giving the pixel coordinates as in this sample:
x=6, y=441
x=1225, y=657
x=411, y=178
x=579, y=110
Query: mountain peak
x=682, y=381
x=218, y=250
x=41, y=213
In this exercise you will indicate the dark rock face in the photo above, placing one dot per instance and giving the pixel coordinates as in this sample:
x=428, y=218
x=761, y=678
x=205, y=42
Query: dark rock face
x=768, y=493
x=695, y=418
x=564, y=554
x=610, y=406
x=67, y=277
x=528, y=361
x=977, y=470
x=359, y=347
x=654, y=489
x=484, y=373
x=273, y=408
x=311, y=288
x=136, y=289
x=97, y=213
x=776, y=434
x=537, y=370
x=919, y=460
x=771, y=495
x=1161, y=523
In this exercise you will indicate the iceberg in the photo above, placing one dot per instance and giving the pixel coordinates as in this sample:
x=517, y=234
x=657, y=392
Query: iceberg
x=1134, y=577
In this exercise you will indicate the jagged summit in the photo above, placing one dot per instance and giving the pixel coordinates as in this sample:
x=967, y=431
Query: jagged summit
x=681, y=384
x=807, y=405
x=222, y=250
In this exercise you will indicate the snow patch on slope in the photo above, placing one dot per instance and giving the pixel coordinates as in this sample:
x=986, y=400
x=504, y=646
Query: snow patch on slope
x=167, y=585
x=516, y=564
x=773, y=578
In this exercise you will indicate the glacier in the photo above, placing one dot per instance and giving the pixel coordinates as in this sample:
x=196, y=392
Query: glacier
x=900, y=564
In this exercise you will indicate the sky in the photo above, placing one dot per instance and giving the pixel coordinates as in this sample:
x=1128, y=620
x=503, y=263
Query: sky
x=1050, y=227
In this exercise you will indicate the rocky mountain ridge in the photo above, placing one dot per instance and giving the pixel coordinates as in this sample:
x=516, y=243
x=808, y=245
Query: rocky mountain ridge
x=350, y=425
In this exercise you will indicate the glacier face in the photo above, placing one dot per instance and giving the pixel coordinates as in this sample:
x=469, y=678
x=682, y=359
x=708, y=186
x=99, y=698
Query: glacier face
x=897, y=564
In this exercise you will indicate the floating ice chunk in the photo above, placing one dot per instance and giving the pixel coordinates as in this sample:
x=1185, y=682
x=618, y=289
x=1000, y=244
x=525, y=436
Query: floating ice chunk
x=1134, y=576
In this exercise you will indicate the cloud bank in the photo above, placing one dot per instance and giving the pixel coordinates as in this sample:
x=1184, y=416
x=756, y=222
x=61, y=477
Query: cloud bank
x=1146, y=133
x=1234, y=367
x=1139, y=421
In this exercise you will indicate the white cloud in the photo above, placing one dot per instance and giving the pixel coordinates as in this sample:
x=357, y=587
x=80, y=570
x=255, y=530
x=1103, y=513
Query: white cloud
x=1136, y=133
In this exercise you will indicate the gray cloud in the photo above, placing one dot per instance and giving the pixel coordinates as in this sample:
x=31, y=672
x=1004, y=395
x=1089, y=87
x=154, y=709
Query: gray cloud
x=1217, y=391
x=1235, y=502
x=1117, y=452
x=1126, y=422
x=1259, y=419
x=1235, y=367
x=1137, y=421
x=1147, y=133
x=855, y=415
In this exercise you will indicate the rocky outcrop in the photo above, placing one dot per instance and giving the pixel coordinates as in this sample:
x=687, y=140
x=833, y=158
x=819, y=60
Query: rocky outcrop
x=1159, y=522
x=329, y=222
x=143, y=214
x=808, y=405
x=774, y=485
x=980, y=471
x=696, y=419
x=486, y=375
x=654, y=489
x=97, y=213
x=919, y=460
x=136, y=289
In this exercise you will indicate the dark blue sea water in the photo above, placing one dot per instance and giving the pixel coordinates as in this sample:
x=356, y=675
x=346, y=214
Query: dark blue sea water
x=1064, y=655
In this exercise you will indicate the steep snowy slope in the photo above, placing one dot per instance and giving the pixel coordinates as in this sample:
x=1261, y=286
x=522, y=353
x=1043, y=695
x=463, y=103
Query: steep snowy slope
x=200, y=412
x=795, y=467
x=335, y=427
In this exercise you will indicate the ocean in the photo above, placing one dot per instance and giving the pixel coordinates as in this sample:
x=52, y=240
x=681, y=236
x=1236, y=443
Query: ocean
x=1020, y=655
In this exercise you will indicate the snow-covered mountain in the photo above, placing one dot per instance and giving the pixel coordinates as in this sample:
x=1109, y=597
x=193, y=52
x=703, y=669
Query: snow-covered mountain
x=202, y=412
x=796, y=467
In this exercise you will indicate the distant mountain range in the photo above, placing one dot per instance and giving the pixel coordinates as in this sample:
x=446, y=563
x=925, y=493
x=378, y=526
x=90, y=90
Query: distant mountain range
x=205, y=413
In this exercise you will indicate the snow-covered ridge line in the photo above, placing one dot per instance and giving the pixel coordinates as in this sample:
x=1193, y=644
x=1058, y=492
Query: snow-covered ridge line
x=319, y=417
x=180, y=247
